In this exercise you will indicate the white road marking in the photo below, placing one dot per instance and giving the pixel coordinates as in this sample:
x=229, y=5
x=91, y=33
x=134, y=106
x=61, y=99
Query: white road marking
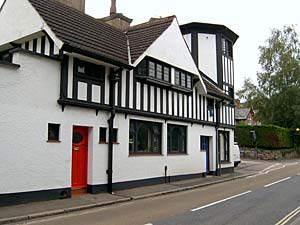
x=148, y=224
x=223, y=200
x=288, y=217
x=276, y=182
x=266, y=170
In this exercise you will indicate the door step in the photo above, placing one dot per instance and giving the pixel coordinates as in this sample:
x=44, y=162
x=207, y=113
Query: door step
x=79, y=191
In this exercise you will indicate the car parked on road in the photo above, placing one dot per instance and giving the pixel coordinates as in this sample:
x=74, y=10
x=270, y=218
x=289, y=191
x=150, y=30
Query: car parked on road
x=236, y=154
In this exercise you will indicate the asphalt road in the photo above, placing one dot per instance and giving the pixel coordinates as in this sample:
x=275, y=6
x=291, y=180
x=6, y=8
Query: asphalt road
x=252, y=200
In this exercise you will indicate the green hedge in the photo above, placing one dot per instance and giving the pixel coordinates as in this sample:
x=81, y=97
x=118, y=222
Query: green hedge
x=268, y=136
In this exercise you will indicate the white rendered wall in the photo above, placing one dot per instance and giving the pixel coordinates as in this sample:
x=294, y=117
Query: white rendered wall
x=132, y=167
x=208, y=55
x=28, y=103
x=19, y=19
x=188, y=41
x=171, y=47
x=30, y=163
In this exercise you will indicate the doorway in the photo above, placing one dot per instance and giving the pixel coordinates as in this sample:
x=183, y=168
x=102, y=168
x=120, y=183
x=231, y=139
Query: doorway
x=79, y=158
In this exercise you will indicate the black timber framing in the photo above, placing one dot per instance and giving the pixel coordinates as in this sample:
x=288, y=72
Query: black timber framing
x=96, y=106
x=195, y=48
x=219, y=60
x=64, y=77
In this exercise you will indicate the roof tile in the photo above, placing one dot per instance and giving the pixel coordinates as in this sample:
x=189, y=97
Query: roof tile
x=81, y=31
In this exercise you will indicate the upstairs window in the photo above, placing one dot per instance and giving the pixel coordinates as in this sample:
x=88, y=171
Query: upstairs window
x=177, y=77
x=227, y=47
x=166, y=73
x=183, y=80
x=210, y=107
x=188, y=81
x=158, y=71
x=151, y=69
x=88, y=70
x=142, y=68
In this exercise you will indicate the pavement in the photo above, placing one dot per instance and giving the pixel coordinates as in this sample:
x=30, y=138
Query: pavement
x=23, y=212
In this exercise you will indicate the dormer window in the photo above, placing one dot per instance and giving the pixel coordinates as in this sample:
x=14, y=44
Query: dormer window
x=158, y=72
x=166, y=73
x=151, y=68
x=177, y=77
x=183, y=79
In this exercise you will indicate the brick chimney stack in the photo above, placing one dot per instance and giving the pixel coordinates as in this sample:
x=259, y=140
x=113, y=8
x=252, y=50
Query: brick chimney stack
x=113, y=7
x=77, y=4
x=115, y=19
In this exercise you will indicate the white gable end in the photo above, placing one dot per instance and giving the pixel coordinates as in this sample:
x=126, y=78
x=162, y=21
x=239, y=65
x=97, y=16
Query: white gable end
x=18, y=19
x=171, y=48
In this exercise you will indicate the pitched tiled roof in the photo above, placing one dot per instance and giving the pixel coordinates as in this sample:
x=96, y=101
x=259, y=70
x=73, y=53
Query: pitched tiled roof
x=143, y=35
x=212, y=89
x=83, y=32
x=241, y=113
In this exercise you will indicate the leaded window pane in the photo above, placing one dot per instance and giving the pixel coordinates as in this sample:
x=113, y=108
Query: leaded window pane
x=166, y=73
x=183, y=84
x=177, y=77
x=151, y=69
x=176, y=139
x=159, y=71
x=144, y=137
x=188, y=81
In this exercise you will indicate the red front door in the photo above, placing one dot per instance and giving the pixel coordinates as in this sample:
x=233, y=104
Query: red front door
x=79, y=157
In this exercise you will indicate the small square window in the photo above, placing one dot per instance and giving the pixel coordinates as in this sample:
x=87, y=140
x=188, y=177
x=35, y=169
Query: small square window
x=53, y=132
x=115, y=135
x=102, y=135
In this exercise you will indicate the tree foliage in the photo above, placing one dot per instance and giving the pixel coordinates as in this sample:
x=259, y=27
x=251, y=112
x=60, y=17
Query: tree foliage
x=277, y=96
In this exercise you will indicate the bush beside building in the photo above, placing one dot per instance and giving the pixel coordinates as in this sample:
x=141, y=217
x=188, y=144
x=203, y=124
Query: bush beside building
x=267, y=137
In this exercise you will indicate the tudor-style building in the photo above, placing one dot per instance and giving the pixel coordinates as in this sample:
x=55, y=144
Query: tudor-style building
x=86, y=105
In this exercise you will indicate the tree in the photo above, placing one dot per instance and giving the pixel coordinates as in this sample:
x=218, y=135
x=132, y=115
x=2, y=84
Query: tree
x=248, y=93
x=277, y=96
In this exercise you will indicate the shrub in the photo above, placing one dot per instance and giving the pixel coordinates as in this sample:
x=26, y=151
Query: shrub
x=267, y=136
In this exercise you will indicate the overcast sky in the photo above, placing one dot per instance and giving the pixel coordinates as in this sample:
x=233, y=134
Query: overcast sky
x=251, y=20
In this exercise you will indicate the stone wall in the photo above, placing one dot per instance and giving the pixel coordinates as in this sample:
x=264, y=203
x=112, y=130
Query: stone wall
x=252, y=153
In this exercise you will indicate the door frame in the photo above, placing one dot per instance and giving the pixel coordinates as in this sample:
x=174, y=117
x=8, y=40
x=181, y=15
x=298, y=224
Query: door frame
x=86, y=136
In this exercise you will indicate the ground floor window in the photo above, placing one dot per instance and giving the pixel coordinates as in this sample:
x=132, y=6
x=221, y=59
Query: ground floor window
x=53, y=132
x=144, y=137
x=176, y=139
x=224, y=146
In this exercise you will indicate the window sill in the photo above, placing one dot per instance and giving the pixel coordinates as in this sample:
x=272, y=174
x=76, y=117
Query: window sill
x=177, y=154
x=53, y=141
x=225, y=163
x=138, y=155
x=106, y=143
x=154, y=80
